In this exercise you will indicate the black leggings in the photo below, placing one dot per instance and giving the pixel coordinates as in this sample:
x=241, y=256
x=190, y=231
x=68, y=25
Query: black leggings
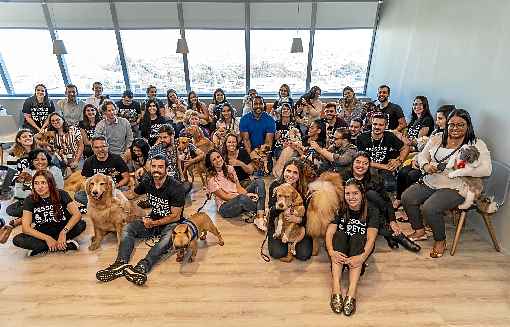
x=278, y=249
x=406, y=177
x=384, y=205
x=28, y=242
x=349, y=245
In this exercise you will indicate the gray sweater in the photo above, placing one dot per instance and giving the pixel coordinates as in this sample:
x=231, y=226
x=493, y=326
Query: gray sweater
x=118, y=134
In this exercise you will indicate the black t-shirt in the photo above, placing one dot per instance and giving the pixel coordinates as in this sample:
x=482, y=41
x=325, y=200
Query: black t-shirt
x=352, y=224
x=394, y=113
x=381, y=151
x=131, y=112
x=152, y=133
x=171, y=194
x=414, y=129
x=284, y=129
x=90, y=130
x=244, y=157
x=38, y=111
x=44, y=213
x=113, y=166
x=330, y=129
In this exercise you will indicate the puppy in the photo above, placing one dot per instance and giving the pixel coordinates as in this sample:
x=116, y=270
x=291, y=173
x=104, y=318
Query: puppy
x=185, y=235
x=260, y=157
x=108, y=208
x=326, y=196
x=289, y=200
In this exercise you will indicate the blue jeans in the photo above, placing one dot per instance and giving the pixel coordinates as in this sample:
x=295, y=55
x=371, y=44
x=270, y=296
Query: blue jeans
x=135, y=230
x=242, y=203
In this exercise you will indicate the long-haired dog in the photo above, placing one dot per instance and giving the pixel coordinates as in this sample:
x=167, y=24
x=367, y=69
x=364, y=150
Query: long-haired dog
x=108, y=208
x=290, y=201
x=260, y=157
x=74, y=183
x=186, y=234
x=465, y=161
x=45, y=140
x=326, y=198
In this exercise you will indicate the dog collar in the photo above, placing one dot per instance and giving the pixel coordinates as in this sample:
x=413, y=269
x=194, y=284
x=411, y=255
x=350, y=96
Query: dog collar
x=193, y=227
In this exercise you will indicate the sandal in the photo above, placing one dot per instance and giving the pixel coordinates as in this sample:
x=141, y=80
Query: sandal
x=436, y=254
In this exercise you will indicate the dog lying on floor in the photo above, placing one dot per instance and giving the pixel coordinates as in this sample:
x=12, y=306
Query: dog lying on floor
x=74, y=183
x=326, y=196
x=185, y=235
x=289, y=200
x=108, y=208
x=260, y=157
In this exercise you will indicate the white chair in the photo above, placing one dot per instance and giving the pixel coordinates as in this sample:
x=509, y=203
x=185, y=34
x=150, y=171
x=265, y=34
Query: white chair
x=497, y=186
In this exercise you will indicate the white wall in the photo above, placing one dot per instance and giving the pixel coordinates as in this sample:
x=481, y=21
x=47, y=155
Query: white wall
x=453, y=52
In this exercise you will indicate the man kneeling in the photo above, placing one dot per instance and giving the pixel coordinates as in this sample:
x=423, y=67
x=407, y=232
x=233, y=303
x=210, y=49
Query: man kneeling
x=166, y=199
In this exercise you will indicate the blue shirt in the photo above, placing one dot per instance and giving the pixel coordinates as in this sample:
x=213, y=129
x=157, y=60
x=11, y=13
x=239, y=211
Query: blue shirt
x=257, y=128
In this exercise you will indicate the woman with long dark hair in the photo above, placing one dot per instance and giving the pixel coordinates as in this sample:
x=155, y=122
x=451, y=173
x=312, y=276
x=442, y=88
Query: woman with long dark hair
x=421, y=124
x=195, y=104
x=37, y=108
x=136, y=157
x=315, y=139
x=215, y=108
x=174, y=108
x=440, y=188
x=313, y=105
x=51, y=219
x=152, y=121
x=87, y=127
x=228, y=117
x=238, y=158
x=293, y=175
x=349, y=107
x=350, y=240
x=68, y=141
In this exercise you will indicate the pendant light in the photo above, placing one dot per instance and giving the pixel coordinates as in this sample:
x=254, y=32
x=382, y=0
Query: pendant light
x=59, y=47
x=297, y=42
x=182, y=46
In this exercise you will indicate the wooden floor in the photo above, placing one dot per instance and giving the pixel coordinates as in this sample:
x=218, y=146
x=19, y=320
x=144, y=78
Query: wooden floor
x=233, y=286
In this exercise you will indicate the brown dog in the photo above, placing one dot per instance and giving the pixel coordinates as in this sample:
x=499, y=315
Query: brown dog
x=289, y=200
x=45, y=140
x=108, y=208
x=185, y=235
x=74, y=183
x=326, y=199
x=260, y=157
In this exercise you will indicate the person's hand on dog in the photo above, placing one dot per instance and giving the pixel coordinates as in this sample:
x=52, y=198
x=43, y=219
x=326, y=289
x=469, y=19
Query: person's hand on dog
x=355, y=261
x=148, y=223
x=52, y=244
x=314, y=145
x=338, y=257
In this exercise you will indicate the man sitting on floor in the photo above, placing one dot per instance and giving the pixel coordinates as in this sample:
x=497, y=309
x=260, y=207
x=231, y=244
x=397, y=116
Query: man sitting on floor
x=166, y=199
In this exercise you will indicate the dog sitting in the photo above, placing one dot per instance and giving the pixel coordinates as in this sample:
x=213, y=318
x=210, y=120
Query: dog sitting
x=260, y=158
x=326, y=198
x=462, y=164
x=45, y=140
x=187, y=152
x=185, y=235
x=108, y=208
x=289, y=200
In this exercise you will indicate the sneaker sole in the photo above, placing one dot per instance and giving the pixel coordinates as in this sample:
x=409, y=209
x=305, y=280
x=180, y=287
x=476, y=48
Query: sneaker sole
x=135, y=278
x=109, y=275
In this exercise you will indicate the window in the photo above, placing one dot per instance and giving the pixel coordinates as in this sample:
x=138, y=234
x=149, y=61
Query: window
x=340, y=59
x=2, y=87
x=217, y=59
x=28, y=55
x=93, y=56
x=272, y=64
x=151, y=59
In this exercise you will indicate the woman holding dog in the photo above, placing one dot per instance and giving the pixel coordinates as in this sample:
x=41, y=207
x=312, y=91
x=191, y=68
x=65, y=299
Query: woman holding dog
x=233, y=200
x=439, y=190
x=350, y=240
x=50, y=218
x=293, y=175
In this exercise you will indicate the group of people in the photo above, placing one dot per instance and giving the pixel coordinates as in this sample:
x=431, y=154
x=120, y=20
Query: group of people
x=387, y=163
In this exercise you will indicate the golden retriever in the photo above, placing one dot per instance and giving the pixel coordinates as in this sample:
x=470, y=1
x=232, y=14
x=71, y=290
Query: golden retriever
x=45, y=140
x=289, y=200
x=108, y=208
x=74, y=183
x=326, y=195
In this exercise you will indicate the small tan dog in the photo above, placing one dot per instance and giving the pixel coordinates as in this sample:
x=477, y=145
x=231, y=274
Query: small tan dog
x=289, y=200
x=108, y=208
x=185, y=235
x=260, y=157
x=198, y=168
x=45, y=140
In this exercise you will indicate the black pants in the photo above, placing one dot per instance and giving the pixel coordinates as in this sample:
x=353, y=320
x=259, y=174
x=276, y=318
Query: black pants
x=278, y=249
x=349, y=245
x=28, y=242
x=406, y=177
x=383, y=204
x=15, y=209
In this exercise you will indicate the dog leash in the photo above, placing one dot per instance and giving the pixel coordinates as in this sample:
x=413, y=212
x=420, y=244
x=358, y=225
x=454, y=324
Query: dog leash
x=264, y=256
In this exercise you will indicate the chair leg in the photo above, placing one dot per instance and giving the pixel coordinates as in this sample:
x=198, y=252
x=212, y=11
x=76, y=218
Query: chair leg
x=490, y=228
x=460, y=224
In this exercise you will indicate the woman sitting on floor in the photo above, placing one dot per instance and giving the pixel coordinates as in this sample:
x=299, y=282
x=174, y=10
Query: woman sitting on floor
x=440, y=188
x=232, y=199
x=293, y=175
x=238, y=158
x=350, y=240
x=54, y=216
x=38, y=160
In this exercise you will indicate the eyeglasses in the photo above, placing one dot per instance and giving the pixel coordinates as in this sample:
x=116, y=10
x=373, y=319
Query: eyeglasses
x=460, y=125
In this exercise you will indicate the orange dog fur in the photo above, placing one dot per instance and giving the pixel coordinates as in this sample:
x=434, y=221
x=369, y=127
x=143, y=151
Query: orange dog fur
x=260, y=157
x=326, y=199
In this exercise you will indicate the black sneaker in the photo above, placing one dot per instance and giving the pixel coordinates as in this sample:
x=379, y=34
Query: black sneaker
x=72, y=245
x=136, y=274
x=114, y=271
x=33, y=253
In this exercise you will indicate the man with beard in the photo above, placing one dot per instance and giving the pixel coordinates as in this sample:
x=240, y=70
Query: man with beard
x=71, y=107
x=386, y=151
x=103, y=162
x=355, y=129
x=166, y=199
x=130, y=109
x=395, y=115
x=332, y=121
x=257, y=127
x=116, y=130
